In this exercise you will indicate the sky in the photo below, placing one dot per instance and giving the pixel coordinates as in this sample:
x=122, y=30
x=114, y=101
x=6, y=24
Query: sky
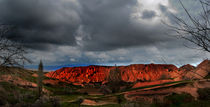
x=99, y=32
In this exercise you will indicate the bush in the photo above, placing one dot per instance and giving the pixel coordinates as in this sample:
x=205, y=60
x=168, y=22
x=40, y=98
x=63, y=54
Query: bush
x=207, y=77
x=204, y=94
x=178, y=99
x=55, y=102
x=47, y=101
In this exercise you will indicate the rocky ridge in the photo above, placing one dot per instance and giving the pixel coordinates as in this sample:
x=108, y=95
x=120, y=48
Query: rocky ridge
x=131, y=73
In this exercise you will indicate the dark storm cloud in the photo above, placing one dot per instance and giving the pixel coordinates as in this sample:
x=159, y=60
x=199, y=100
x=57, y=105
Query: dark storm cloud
x=110, y=26
x=97, y=31
x=108, y=23
x=147, y=14
x=40, y=22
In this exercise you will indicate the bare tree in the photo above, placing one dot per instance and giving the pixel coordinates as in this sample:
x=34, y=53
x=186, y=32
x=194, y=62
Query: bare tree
x=115, y=79
x=196, y=30
x=115, y=75
x=11, y=53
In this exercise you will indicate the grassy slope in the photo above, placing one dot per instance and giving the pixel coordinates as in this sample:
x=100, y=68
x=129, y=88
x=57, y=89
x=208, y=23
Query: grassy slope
x=20, y=72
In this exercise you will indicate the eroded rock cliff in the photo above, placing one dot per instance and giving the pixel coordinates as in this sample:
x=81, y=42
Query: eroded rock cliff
x=131, y=73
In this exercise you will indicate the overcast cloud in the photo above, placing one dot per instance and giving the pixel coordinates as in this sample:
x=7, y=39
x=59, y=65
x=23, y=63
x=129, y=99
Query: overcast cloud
x=99, y=31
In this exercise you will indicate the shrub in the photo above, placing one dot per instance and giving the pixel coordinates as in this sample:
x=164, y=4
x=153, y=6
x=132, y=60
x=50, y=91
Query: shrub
x=55, y=102
x=204, y=94
x=207, y=77
x=131, y=104
x=178, y=99
x=40, y=79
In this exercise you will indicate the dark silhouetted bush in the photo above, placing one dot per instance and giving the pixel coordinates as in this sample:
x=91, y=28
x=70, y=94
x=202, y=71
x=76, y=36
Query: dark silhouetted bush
x=204, y=94
x=178, y=99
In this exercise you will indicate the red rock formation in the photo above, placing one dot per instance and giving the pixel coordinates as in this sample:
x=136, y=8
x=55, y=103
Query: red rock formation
x=131, y=73
x=186, y=68
x=201, y=71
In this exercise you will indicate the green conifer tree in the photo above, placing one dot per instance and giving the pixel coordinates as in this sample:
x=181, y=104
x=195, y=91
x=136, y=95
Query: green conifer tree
x=39, y=79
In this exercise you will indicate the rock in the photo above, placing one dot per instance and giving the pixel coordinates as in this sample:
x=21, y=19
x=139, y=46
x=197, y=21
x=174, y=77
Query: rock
x=131, y=73
x=201, y=71
x=35, y=75
x=88, y=102
x=51, y=82
x=183, y=71
x=187, y=68
x=143, y=84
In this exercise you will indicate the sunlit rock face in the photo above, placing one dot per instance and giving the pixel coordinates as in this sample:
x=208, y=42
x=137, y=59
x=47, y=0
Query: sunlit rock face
x=200, y=72
x=131, y=73
x=184, y=71
x=81, y=74
x=187, y=68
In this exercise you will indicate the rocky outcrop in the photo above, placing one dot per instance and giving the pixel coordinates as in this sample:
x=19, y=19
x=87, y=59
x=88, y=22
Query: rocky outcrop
x=200, y=72
x=183, y=71
x=187, y=68
x=80, y=74
x=131, y=73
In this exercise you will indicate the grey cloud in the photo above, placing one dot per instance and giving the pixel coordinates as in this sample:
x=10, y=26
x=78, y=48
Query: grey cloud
x=163, y=8
x=167, y=13
x=110, y=26
x=41, y=22
x=108, y=23
x=147, y=14
x=193, y=6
